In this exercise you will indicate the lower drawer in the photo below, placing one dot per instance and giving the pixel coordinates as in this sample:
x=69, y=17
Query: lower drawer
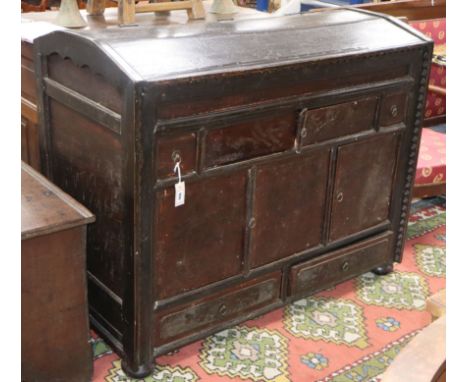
x=215, y=309
x=340, y=265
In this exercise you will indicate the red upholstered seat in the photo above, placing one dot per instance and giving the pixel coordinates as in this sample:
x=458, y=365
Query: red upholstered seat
x=435, y=29
x=431, y=160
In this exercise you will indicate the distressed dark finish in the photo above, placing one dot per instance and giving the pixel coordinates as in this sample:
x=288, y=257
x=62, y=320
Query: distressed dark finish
x=296, y=137
x=54, y=311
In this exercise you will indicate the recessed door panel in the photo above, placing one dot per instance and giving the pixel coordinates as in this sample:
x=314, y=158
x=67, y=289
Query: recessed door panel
x=363, y=185
x=289, y=203
x=202, y=241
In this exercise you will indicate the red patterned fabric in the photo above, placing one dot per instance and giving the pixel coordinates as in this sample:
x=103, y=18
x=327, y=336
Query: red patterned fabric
x=431, y=159
x=435, y=29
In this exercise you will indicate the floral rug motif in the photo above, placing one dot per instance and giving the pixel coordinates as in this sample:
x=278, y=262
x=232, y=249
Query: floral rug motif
x=332, y=320
x=160, y=374
x=400, y=290
x=347, y=333
x=247, y=353
x=430, y=259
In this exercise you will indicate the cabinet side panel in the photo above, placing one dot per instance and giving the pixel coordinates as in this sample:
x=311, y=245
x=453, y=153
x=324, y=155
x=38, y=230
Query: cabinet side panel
x=88, y=163
x=84, y=81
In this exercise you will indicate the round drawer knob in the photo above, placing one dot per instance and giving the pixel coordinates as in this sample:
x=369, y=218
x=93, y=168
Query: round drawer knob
x=345, y=266
x=339, y=197
x=394, y=110
x=222, y=309
x=176, y=157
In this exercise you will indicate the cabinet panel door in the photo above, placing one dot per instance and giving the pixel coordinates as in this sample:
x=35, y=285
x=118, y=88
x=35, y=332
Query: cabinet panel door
x=289, y=207
x=363, y=185
x=202, y=241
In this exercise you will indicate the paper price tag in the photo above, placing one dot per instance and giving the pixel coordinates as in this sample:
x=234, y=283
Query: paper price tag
x=179, y=194
x=179, y=187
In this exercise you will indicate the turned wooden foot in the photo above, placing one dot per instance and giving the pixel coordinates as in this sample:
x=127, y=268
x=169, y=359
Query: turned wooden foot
x=140, y=372
x=383, y=269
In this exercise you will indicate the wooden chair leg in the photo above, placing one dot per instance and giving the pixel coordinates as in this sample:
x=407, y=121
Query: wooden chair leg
x=126, y=12
x=96, y=7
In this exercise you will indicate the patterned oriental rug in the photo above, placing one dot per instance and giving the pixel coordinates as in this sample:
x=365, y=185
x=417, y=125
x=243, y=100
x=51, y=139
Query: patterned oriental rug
x=349, y=333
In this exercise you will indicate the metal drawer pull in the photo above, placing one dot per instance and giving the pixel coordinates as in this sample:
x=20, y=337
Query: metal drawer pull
x=394, y=110
x=222, y=309
x=176, y=156
x=345, y=266
x=339, y=197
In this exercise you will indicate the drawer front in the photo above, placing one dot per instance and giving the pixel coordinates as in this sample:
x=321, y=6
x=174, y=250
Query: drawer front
x=330, y=269
x=339, y=120
x=174, y=148
x=393, y=109
x=251, y=138
x=202, y=314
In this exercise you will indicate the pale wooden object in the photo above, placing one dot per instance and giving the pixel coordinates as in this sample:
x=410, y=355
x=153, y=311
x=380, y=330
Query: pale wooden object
x=435, y=304
x=128, y=8
x=96, y=7
x=423, y=359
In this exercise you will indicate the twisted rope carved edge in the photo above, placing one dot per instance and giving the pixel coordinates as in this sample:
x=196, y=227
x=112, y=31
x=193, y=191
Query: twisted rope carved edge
x=413, y=155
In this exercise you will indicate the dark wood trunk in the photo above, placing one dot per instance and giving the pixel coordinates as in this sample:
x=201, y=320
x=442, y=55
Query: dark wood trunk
x=297, y=140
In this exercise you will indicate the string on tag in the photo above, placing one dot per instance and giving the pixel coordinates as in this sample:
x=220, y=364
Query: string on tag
x=179, y=187
x=177, y=170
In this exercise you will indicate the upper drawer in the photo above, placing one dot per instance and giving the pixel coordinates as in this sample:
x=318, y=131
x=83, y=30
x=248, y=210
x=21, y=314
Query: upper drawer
x=205, y=313
x=393, y=109
x=262, y=135
x=175, y=148
x=335, y=121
